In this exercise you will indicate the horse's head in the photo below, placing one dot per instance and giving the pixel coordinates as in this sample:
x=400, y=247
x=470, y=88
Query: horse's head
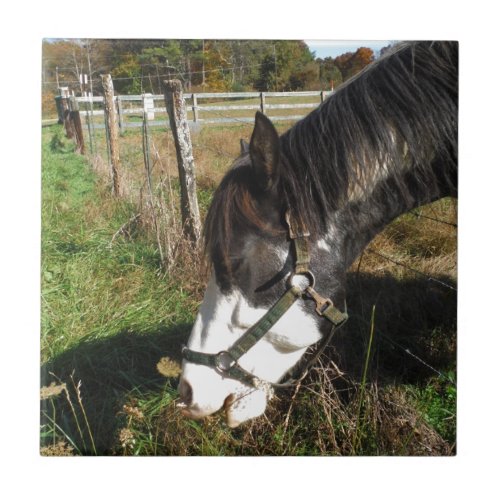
x=252, y=255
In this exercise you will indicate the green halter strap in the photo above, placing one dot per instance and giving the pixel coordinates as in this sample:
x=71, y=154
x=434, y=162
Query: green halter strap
x=226, y=362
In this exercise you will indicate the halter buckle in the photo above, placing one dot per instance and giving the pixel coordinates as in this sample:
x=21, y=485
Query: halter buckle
x=322, y=303
x=224, y=361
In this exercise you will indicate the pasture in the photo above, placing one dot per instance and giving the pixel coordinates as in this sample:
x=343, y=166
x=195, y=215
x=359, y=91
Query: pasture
x=115, y=315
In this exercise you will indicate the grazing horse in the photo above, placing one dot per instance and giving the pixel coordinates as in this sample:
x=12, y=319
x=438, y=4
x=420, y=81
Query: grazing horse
x=294, y=211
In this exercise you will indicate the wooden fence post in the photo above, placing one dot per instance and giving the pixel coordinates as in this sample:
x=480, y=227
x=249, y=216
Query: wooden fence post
x=262, y=103
x=119, y=109
x=65, y=112
x=74, y=113
x=60, y=111
x=195, y=108
x=176, y=109
x=112, y=133
x=67, y=119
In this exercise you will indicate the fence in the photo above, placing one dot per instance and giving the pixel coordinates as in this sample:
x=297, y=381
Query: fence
x=96, y=123
x=220, y=108
x=168, y=214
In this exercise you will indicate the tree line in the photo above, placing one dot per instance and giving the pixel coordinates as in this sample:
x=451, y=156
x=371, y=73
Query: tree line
x=139, y=66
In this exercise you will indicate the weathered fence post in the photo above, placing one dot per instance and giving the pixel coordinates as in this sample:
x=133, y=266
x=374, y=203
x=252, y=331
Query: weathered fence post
x=177, y=114
x=88, y=118
x=119, y=109
x=65, y=112
x=148, y=105
x=262, y=103
x=74, y=113
x=67, y=118
x=322, y=95
x=60, y=110
x=112, y=133
x=195, y=108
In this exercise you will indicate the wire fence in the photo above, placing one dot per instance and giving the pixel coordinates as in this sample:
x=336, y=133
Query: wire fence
x=150, y=171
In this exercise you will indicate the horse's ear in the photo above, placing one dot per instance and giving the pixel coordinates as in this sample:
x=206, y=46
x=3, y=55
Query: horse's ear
x=265, y=150
x=244, y=147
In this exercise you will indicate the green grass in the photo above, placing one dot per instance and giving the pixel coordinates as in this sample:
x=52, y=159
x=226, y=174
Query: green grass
x=93, y=294
x=110, y=313
x=91, y=289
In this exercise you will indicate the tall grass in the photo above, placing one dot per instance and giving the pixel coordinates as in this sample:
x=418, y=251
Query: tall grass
x=114, y=321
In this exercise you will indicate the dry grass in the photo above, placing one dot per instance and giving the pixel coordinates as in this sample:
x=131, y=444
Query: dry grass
x=404, y=405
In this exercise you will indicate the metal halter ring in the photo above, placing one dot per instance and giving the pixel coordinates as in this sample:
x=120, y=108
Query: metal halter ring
x=308, y=274
x=224, y=361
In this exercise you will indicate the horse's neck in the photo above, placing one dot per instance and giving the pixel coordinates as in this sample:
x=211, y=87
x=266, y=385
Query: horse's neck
x=355, y=225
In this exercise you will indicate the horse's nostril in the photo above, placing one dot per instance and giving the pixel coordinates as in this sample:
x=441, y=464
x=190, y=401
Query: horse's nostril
x=186, y=392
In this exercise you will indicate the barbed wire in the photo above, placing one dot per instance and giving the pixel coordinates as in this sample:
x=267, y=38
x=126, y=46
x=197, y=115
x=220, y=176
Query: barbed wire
x=404, y=349
x=153, y=75
x=420, y=214
x=406, y=266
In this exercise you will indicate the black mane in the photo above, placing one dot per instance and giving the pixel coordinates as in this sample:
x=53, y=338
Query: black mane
x=400, y=113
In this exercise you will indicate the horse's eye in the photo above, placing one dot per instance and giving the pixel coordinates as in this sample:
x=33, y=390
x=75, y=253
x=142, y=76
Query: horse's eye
x=236, y=263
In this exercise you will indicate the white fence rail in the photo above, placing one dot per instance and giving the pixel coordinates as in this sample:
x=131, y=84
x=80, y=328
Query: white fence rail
x=224, y=107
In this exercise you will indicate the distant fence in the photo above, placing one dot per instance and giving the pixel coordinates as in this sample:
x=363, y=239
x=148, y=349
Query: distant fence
x=96, y=124
x=227, y=107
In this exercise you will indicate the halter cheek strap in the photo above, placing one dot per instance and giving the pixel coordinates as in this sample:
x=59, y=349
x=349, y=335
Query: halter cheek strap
x=226, y=362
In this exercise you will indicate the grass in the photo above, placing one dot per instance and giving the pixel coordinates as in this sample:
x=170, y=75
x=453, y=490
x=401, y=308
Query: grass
x=114, y=321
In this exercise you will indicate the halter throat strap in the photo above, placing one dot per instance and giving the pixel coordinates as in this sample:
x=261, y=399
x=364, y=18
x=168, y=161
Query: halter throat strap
x=226, y=362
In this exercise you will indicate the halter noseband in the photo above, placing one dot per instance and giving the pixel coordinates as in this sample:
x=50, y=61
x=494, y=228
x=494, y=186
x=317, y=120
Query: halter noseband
x=226, y=362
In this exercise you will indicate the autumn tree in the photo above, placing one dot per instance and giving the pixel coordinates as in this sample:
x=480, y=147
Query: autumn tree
x=139, y=66
x=351, y=63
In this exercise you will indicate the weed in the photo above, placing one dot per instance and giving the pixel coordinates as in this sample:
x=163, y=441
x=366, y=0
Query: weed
x=57, y=143
x=120, y=293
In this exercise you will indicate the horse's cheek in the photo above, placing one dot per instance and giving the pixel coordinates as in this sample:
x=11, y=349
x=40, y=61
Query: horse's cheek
x=245, y=408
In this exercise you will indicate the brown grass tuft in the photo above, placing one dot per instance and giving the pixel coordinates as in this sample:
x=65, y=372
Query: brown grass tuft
x=60, y=449
x=51, y=391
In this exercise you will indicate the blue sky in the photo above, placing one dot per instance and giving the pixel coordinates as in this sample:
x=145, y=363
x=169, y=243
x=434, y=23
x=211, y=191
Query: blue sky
x=334, y=48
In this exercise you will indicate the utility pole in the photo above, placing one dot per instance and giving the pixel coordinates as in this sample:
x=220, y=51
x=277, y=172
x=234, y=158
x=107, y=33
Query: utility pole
x=90, y=68
x=275, y=70
x=203, y=64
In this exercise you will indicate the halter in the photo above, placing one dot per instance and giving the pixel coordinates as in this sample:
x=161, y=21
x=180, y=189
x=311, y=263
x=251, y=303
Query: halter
x=226, y=362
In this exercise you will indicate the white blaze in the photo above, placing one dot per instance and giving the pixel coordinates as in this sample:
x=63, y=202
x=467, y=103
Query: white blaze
x=221, y=320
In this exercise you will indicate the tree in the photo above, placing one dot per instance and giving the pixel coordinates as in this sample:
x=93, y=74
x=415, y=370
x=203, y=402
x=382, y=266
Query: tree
x=127, y=76
x=306, y=77
x=329, y=73
x=351, y=63
x=282, y=67
x=219, y=65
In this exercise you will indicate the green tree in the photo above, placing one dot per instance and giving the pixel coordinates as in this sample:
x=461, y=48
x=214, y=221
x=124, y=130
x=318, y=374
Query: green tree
x=282, y=67
x=127, y=76
x=329, y=74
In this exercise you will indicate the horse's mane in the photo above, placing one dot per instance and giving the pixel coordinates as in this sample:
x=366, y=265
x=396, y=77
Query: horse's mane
x=400, y=113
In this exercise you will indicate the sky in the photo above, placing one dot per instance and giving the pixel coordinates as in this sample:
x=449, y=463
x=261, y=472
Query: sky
x=334, y=48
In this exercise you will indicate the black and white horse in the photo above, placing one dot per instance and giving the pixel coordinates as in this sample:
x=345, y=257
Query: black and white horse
x=383, y=144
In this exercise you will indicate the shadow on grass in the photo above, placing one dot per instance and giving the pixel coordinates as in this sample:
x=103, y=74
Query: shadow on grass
x=109, y=370
x=415, y=323
x=415, y=337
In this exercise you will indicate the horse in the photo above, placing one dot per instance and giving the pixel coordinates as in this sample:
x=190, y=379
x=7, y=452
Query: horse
x=293, y=213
